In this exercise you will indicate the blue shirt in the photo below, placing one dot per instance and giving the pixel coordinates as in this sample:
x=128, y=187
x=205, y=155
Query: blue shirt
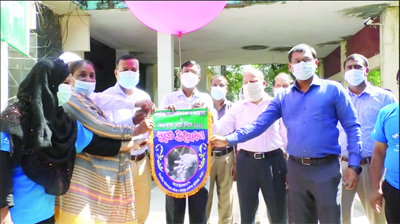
x=310, y=119
x=387, y=131
x=367, y=106
x=31, y=203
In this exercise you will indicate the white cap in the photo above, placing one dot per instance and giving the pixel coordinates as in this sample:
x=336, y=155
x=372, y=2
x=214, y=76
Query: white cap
x=68, y=57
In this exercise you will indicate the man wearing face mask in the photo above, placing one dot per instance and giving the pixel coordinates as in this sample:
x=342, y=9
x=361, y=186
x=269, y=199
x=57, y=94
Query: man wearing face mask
x=281, y=82
x=368, y=100
x=310, y=110
x=185, y=98
x=127, y=75
x=260, y=162
x=223, y=170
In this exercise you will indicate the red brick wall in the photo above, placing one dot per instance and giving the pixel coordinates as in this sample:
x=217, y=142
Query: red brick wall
x=365, y=42
x=332, y=63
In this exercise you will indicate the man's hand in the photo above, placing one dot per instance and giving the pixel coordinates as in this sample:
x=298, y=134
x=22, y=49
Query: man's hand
x=198, y=104
x=350, y=179
x=218, y=141
x=146, y=103
x=376, y=201
x=144, y=126
x=171, y=107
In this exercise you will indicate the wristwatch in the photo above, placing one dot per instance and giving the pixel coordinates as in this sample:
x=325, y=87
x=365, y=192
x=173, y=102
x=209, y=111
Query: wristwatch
x=358, y=169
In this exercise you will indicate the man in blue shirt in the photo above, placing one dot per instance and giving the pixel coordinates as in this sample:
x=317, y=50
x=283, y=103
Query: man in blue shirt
x=367, y=100
x=311, y=109
x=386, y=154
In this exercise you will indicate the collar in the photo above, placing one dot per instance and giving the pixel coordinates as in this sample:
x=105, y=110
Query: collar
x=181, y=93
x=367, y=90
x=315, y=81
x=118, y=90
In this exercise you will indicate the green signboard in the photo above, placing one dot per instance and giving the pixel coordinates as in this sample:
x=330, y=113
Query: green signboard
x=15, y=25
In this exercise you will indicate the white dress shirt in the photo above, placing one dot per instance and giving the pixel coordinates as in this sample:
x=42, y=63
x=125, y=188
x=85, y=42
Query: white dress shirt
x=110, y=102
x=244, y=112
x=124, y=116
x=179, y=99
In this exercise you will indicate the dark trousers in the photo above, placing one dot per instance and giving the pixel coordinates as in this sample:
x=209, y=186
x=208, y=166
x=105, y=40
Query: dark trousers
x=50, y=220
x=175, y=208
x=392, y=206
x=268, y=175
x=314, y=192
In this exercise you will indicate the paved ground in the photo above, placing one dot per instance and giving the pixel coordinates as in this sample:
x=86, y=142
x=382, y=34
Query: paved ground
x=157, y=210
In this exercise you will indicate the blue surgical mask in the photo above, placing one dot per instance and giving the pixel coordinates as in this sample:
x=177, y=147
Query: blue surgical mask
x=354, y=77
x=86, y=88
x=304, y=70
x=128, y=79
x=63, y=93
x=218, y=93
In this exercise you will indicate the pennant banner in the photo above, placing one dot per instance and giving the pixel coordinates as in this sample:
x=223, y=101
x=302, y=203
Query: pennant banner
x=179, y=152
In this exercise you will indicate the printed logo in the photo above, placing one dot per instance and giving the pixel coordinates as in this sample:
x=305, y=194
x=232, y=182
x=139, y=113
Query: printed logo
x=396, y=136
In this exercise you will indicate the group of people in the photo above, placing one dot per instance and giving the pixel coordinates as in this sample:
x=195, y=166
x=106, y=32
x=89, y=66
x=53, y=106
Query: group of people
x=70, y=155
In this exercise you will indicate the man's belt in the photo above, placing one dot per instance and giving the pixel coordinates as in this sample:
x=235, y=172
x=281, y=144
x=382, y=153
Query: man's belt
x=363, y=161
x=138, y=157
x=263, y=155
x=314, y=161
x=223, y=152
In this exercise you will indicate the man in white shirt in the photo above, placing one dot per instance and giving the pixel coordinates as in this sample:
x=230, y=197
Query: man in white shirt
x=127, y=75
x=260, y=163
x=188, y=97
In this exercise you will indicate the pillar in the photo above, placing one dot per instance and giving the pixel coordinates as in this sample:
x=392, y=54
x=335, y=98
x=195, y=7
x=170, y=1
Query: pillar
x=389, y=48
x=343, y=56
x=202, y=86
x=165, y=65
x=4, y=75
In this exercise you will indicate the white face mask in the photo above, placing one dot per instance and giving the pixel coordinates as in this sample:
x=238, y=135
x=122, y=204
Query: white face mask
x=86, y=88
x=128, y=79
x=277, y=90
x=253, y=91
x=189, y=80
x=304, y=70
x=218, y=93
x=63, y=93
x=354, y=77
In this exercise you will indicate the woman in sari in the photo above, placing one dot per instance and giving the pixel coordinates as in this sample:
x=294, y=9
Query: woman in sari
x=101, y=186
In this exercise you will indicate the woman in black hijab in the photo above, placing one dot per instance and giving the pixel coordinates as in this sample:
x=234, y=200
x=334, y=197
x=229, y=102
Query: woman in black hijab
x=39, y=142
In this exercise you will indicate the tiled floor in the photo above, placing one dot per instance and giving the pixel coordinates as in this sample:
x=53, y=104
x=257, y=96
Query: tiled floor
x=157, y=210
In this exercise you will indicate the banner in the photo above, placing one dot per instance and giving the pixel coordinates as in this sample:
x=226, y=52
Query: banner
x=180, y=156
x=15, y=26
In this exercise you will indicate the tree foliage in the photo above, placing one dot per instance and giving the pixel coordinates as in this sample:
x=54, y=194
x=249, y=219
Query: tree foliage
x=374, y=77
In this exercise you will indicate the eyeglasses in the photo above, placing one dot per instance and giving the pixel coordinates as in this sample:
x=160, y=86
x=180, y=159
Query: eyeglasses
x=305, y=60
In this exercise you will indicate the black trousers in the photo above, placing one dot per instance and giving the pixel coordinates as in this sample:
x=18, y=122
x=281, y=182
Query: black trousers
x=267, y=174
x=50, y=220
x=392, y=206
x=175, y=208
x=314, y=193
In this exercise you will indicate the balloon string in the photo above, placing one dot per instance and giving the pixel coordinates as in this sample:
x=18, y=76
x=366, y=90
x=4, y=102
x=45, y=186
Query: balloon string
x=180, y=53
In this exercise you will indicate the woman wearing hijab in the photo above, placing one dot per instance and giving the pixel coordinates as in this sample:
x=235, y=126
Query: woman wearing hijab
x=39, y=142
x=101, y=186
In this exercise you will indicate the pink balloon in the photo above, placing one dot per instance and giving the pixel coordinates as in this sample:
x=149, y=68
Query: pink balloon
x=176, y=17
